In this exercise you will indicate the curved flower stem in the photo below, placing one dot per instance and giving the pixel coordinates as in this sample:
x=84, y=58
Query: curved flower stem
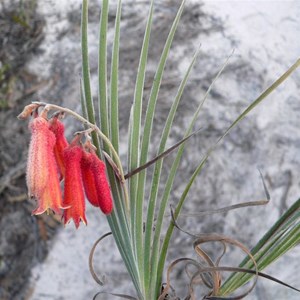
x=86, y=132
x=101, y=135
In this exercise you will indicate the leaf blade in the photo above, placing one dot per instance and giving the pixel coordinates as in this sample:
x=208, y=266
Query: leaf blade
x=258, y=100
x=86, y=85
x=102, y=72
x=114, y=78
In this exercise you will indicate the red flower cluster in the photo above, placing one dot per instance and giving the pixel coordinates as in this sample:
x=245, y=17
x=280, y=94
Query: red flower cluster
x=51, y=158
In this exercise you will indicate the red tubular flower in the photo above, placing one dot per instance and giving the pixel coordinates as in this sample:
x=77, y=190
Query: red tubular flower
x=102, y=186
x=88, y=178
x=42, y=140
x=57, y=127
x=95, y=183
x=74, y=194
x=42, y=176
x=51, y=197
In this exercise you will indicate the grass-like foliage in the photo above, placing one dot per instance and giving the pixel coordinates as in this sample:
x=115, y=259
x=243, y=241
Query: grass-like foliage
x=138, y=232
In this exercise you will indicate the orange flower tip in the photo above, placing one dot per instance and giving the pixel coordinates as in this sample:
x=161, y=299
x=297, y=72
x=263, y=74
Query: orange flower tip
x=66, y=206
x=83, y=220
x=66, y=221
x=41, y=210
x=77, y=222
x=38, y=211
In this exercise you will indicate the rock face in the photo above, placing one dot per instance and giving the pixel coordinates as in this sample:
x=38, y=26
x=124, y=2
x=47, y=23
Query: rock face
x=20, y=242
x=265, y=42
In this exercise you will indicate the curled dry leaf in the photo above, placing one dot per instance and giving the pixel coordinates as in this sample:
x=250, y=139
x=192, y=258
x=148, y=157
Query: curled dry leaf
x=209, y=273
x=214, y=279
x=91, y=256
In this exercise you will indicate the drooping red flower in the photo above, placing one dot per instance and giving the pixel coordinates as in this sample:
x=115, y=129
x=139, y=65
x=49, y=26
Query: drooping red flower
x=37, y=165
x=96, y=185
x=52, y=196
x=73, y=193
x=88, y=178
x=102, y=185
x=57, y=127
x=42, y=175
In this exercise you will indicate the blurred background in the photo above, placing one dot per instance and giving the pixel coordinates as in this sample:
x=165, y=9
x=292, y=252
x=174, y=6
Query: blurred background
x=40, y=60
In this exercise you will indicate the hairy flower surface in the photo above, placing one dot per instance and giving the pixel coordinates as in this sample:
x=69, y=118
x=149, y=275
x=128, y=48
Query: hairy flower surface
x=74, y=194
x=52, y=196
x=41, y=145
x=57, y=127
x=102, y=186
x=42, y=175
x=88, y=178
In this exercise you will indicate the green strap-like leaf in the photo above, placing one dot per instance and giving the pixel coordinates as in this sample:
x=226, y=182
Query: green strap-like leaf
x=156, y=175
x=268, y=248
x=118, y=220
x=114, y=105
x=209, y=152
x=86, y=85
x=147, y=133
x=126, y=253
x=82, y=100
x=158, y=260
x=134, y=148
x=102, y=72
